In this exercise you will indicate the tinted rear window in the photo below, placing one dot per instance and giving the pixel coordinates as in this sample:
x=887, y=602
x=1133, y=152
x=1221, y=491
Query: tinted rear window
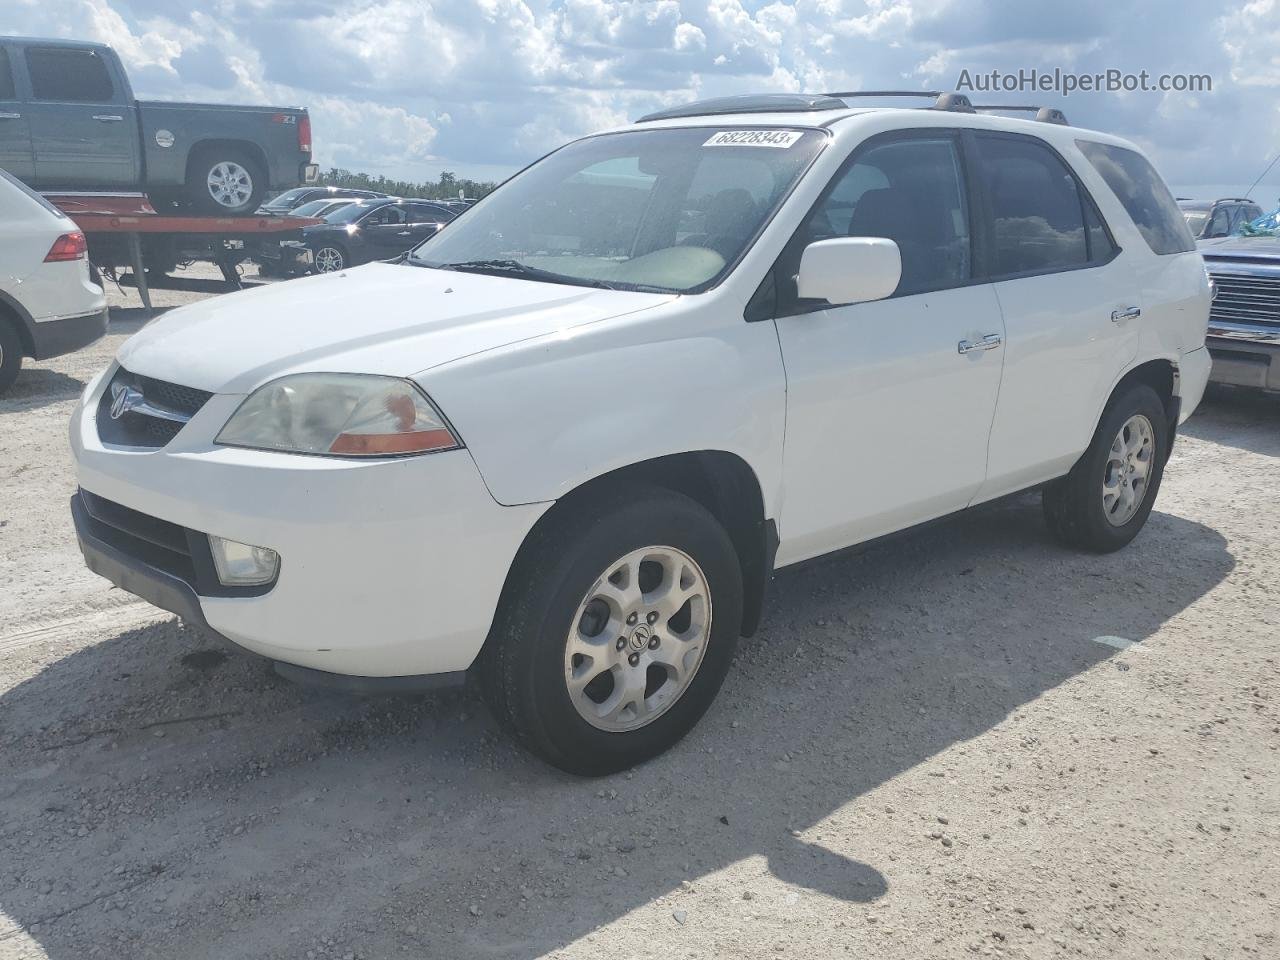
x=73, y=76
x=1143, y=194
x=6, y=77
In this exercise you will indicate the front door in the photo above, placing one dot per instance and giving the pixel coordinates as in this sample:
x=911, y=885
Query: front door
x=83, y=132
x=889, y=404
x=15, y=134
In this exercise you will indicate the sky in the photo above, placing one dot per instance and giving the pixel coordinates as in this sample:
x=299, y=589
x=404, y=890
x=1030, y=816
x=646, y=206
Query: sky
x=408, y=88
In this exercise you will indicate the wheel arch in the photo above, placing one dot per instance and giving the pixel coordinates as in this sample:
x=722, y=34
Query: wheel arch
x=12, y=313
x=256, y=153
x=722, y=482
x=1161, y=375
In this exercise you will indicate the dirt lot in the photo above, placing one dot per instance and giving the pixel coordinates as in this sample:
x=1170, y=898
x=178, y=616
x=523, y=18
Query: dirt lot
x=966, y=741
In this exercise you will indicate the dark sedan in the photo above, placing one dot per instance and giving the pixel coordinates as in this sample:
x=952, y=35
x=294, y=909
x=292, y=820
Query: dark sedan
x=290, y=200
x=372, y=230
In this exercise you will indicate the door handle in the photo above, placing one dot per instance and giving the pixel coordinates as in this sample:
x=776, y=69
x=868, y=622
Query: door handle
x=1125, y=313
x=405, y=233
x=10, y=116
x=108, y=117
x=989, y=342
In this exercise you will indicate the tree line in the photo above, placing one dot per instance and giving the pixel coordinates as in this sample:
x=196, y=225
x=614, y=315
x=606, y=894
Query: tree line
x=446, y=188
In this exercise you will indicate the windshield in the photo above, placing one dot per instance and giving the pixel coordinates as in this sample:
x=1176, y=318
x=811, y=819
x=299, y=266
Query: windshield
x=352, y=212
x=670, y=210
x=1195, y=221
x=287, y=198
x=312, y=208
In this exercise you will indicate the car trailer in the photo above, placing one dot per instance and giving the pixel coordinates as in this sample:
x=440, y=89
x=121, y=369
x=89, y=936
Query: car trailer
x=124, y=229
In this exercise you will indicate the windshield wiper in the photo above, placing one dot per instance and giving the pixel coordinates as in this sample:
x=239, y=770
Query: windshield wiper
x=517, y=269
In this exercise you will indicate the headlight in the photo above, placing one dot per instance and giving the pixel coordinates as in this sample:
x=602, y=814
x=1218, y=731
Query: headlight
x=339, y=414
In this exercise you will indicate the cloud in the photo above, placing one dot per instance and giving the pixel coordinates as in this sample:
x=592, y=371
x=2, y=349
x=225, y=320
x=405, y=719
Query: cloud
x=399, y=85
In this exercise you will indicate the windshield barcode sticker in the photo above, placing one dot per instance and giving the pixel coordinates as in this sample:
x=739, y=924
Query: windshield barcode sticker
x=753, y=138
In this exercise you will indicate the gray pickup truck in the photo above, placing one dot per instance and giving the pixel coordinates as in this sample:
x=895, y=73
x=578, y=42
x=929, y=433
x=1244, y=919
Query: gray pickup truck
x=68, y=121
x=1244, y=322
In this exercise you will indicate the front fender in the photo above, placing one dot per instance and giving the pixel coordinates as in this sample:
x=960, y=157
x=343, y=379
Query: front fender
x=544, y=416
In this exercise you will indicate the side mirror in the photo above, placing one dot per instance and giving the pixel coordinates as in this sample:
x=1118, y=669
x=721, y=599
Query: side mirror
x=846, y=270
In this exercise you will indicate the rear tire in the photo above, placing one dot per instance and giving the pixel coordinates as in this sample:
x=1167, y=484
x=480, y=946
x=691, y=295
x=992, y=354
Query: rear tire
x=567, y=593
x=226, y=181
x=10, y=353
x=1103, y=503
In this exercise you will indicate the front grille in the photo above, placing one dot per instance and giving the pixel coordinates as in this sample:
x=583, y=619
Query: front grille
x=1246, y=299
x=138, y=429
x=157, y=542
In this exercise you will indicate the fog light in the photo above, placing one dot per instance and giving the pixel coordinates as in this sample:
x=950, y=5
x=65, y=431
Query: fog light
x=242, y=564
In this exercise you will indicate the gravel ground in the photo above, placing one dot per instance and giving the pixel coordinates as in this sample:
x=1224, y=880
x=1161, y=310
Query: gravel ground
x=968, y=740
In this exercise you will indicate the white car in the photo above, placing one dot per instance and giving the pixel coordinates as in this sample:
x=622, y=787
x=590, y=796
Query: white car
x=50, y=301
x=566, y=442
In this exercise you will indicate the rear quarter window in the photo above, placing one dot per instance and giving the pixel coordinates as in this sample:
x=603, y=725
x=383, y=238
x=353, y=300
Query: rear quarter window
x=1143, y=195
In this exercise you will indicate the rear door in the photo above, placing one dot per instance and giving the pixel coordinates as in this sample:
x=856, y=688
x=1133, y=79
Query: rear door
x=84, y=132
x=1071, y=306
x=15, y=132
x=889, y=404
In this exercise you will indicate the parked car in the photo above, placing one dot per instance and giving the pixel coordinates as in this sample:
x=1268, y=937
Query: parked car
x=1244, y=323
x=51, y=301
x=372, y=230
x=547, y=446
x=68, y=120
x=1217, y=218
x=290, y=200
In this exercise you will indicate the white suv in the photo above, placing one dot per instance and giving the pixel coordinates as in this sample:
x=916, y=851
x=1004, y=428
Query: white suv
x=566, y=441
x=50, y=300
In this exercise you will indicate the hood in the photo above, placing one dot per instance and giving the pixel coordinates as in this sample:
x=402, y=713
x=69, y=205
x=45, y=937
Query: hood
x=1240, y=248
x=380, y=318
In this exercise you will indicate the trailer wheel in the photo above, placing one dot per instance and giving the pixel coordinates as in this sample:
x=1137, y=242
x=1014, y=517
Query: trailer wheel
x=225, y=180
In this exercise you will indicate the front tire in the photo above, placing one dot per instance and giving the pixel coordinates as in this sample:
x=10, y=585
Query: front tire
x=328, y=258
x=616, y=629
x=1103, y=503
x=226, y=181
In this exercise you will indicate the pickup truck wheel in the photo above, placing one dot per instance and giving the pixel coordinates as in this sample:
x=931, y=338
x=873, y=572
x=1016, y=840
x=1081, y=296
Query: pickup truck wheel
x=10, y=354
x=226, y=181
x=616, y=630
x=1105, y=500
x=328, y=258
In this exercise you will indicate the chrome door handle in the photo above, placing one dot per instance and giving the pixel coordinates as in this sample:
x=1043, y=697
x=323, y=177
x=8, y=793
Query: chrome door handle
x=108, y=117
x=1125, y=313
x=989, y=342
x=10, y=116
x=405, y=233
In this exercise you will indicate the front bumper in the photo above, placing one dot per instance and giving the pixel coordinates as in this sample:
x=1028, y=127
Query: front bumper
x=390, y=568
x=1245, y=356
x=53, y=338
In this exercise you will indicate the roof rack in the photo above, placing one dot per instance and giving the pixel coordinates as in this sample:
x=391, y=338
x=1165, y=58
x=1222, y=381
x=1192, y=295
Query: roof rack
x=1043, y=114
x=955, y=102
x=801, y=103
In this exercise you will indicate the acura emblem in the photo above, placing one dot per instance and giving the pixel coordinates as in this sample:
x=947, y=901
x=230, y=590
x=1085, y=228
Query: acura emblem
x=123, y=399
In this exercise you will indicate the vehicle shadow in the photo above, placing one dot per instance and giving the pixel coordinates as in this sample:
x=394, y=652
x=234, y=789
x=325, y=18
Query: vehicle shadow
x=1245, y=419
x=39, y=387
x=167, y=800
x=211, y=285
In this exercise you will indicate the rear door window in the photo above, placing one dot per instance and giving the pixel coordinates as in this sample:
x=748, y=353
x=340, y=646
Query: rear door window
x=69, y=75
x=1037, y=208
x=1143, y=195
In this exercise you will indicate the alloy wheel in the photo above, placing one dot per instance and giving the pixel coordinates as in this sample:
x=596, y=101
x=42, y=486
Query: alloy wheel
x=637, y=639
x=329, y=259
x=1128, y=470
x=230, y=184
